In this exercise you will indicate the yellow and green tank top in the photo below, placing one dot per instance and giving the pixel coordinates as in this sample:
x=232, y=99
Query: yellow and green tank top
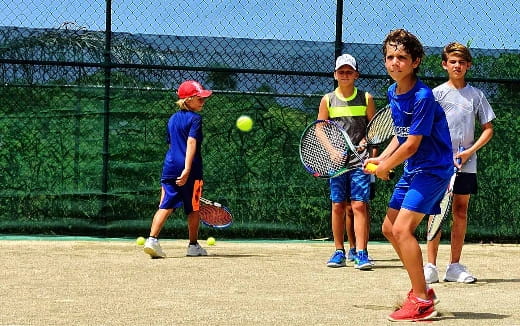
x=351, y=114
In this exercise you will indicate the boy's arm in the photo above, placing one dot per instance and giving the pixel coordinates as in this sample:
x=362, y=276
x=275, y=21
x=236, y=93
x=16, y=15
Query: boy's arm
x=387, y=152
x=323, y=110
x=323, y=114
x=392, y=146
x=191, y=148
x=390, y=159
x=485, y=137
x=369, y=114
x=371, y=107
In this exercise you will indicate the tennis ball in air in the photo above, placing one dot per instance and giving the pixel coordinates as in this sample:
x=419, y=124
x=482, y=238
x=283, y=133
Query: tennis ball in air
x=140, y=241
x=245, y=123
x=211, y=241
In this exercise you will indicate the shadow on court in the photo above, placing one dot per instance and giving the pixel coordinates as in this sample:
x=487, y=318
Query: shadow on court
x=495, y=280
x=473, y=316
x=102, y=282
x=209, y=256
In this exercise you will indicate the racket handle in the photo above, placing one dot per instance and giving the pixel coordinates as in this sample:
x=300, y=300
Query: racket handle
x=372, y=167
x=459, y=160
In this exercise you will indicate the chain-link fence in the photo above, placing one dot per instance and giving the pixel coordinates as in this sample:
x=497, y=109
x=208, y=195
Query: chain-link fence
x=87, y=87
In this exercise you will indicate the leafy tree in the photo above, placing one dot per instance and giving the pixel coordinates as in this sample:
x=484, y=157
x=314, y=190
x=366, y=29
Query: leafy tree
x=221, y=79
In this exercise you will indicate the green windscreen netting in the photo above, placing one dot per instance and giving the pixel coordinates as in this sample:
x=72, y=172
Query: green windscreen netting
x=83, y=114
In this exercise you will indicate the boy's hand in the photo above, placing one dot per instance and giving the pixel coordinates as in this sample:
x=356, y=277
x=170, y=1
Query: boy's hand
x=362, y=145
x=183, y=178
x=383, y=174
x=380, y=172
x=372, y=160
x=461, y=157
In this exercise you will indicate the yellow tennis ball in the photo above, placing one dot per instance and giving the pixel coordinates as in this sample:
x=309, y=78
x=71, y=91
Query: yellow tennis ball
x=245, y=123
x=140, y=241
x=211, y=241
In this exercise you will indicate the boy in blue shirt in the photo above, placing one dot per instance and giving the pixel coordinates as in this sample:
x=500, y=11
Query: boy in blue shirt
x=423, y=143
x=181, y=180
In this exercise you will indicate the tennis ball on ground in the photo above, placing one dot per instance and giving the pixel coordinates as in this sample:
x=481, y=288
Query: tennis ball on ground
x=210, y=241
x=140, y=241
x=245, y=123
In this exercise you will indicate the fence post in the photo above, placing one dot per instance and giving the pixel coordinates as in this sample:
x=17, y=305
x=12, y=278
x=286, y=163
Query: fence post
x=338, y=44
x=106, y=111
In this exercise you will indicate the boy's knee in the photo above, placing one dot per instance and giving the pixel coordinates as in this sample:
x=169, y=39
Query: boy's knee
x=399, y=233
x=359, y=206
x=460, y=215
x=387, y=230
x=338, y=207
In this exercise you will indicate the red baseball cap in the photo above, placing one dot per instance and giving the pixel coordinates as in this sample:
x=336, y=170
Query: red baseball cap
x=191, y=88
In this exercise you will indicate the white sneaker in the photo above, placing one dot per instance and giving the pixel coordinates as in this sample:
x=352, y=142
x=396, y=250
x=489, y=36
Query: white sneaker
x=196, y=250
x=153, y=248
x=431, y=273
x=458, y=273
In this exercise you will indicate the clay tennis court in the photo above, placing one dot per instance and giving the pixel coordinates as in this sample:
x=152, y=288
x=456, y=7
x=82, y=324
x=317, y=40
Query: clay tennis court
x=88, y=281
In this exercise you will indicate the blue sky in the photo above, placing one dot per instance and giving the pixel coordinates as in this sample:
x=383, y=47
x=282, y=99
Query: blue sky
x=488, y=24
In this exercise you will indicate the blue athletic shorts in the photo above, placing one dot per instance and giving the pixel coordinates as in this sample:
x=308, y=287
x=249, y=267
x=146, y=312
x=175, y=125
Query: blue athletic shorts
x=353, y=185
x=187, y=196
x=419, y=192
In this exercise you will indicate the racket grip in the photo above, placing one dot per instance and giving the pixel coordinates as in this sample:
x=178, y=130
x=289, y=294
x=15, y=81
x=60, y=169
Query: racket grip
x=459, y=160
x=372, y=167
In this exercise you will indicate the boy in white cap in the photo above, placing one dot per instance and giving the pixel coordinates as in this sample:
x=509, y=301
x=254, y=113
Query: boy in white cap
x=351, y=108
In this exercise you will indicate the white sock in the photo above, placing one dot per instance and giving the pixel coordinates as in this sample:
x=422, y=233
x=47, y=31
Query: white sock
x=424, y=300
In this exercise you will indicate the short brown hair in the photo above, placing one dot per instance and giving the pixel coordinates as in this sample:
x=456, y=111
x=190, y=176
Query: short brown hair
x=457, y=49
x=410, y=42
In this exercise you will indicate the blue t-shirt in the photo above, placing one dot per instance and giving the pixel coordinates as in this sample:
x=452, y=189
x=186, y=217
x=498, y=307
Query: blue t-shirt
x=182, y=124
x=417, y=113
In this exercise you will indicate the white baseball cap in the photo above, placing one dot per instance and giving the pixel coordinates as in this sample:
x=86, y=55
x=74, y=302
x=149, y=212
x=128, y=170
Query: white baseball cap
x=346, y=59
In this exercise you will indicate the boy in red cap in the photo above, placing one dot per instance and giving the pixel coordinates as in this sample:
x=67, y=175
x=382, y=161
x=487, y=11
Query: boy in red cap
x=181, y=180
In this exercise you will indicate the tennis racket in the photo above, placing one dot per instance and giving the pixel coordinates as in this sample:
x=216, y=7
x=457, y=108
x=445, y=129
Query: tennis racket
x=214, y=214
x=435, y=222
x=326, y=150
x=381, y=128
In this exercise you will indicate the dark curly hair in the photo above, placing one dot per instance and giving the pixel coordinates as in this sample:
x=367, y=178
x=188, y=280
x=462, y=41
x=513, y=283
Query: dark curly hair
x=410, y=43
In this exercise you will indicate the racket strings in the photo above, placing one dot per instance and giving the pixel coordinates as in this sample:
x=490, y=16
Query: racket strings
x=323, y=149
x=381, y=128
x=216, y=216
x=445, y=205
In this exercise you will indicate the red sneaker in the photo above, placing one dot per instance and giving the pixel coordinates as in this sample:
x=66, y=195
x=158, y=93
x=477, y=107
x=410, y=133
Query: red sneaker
x=414, y=310
x=431, y=294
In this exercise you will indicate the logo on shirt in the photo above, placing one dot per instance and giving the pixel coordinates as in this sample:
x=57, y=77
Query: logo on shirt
x=402, y=131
